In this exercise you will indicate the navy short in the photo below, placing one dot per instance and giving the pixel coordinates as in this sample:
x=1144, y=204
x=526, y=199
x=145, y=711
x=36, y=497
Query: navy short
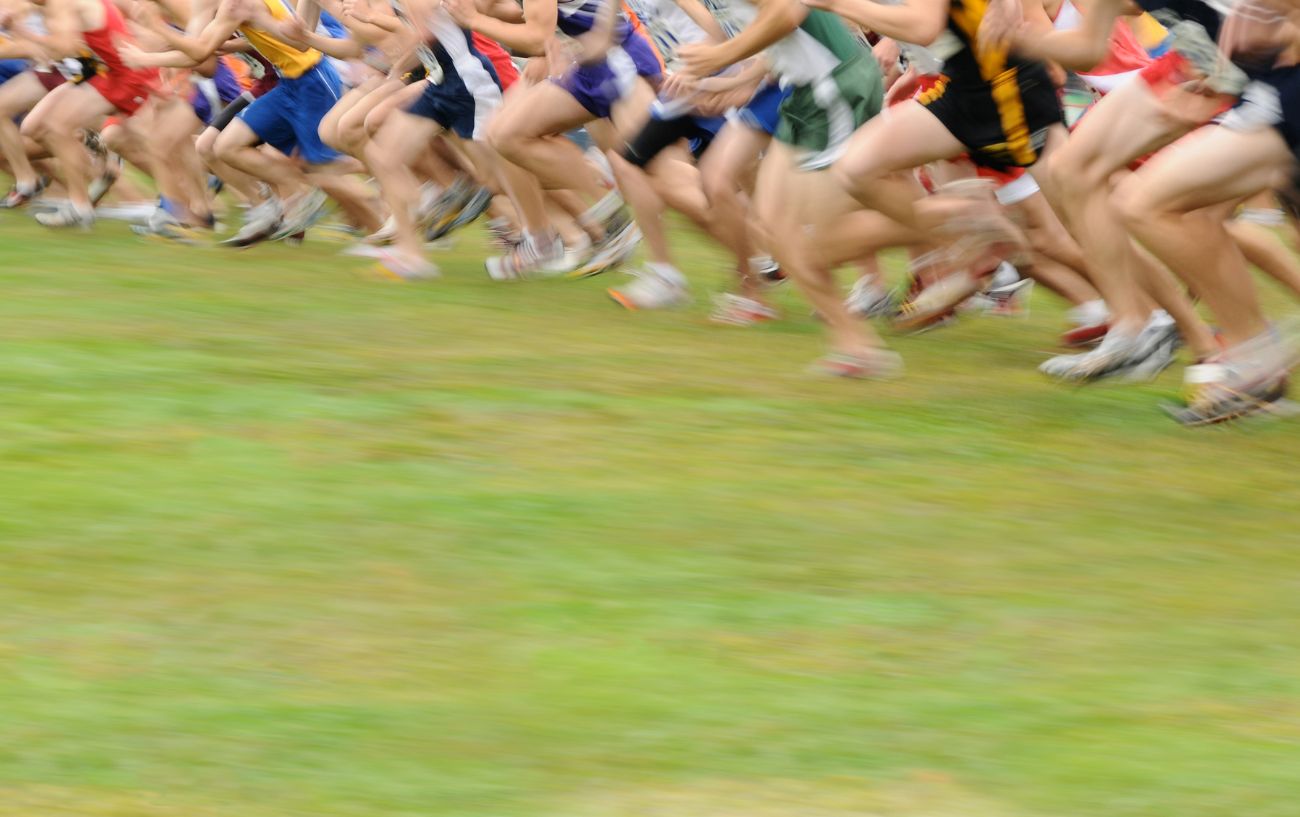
x=288, y=116
x=453, y=108
x=12, y=68
x=1272, y=99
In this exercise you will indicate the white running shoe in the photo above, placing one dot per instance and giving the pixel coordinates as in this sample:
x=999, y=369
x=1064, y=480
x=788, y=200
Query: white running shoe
x=573, y=258
x=301, y=212
x=737, y=310
x=650, y=290
x=67, y=216
x=260, y=223
x=867, y=299
x=386, y=234
x=524, y=261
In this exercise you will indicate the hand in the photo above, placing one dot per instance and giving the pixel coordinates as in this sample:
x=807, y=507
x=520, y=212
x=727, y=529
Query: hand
x=535, y=70
x=559, y=58
x=358, y=10
x=131, y=55
x=464, y=12
x=1003, y=19
x=701, y=60
x=676, y=85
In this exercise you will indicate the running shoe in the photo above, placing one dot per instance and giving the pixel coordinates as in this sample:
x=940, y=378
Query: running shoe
x=731, y=309
x=621, y=237
x=524, y=261
x=1006, y=301
x=1220, y=394
x=649, y=290
x=162, y=227
x=1119, y=354
x=476, y=205
x=18, y=197
x=398, y=267
x=66, y=216
x=867, y=299
x=104, y=182
x=386, y=234
x=936, y=302
x=300, y=213
x=573, y=257
x=260, y=223
x=878, y=364
x=766, y=268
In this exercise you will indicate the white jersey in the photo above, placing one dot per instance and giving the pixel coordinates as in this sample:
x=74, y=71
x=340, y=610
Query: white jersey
x=668, y=26
x=803, y=56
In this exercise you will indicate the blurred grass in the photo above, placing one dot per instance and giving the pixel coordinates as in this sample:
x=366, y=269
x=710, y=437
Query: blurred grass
x=280, y=540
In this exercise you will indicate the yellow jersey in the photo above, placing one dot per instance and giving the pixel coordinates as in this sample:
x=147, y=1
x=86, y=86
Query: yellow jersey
x=289, y=61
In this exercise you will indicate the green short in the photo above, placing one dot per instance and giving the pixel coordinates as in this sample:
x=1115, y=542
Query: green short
x=817, y=119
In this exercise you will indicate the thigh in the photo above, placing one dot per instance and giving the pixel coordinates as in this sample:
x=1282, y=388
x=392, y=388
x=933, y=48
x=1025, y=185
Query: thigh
x=733, y=154
x=540, y=110
x=354, y=116
x=398, y=100
x=68, y=107
x=1212, y=166
x=1123, y=126
x=901, y=138
x=404, y=136
x=19, y=94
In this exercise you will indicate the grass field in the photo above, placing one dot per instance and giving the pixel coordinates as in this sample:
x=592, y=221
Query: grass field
x=282, y=540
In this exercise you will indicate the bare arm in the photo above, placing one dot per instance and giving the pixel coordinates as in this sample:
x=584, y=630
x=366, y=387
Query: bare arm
x=528, y=38
x=64, y=27
x=1078, y=49
x=775, y=19
x=702, y=18
x=914, y=21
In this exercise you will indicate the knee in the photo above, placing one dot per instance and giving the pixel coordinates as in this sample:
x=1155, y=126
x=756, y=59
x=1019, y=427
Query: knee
x=205, y=145
x=505, y=141
x=1131, y=203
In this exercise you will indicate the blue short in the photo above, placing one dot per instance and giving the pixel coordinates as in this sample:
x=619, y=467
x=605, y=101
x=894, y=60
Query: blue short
x=12, y=68
x=288, y=116
x=763, y=110
x=599, y=85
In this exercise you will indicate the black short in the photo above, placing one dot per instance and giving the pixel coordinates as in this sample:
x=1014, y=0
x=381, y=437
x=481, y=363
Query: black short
x=1000, y=130
x=228, y=113
x=658, y=134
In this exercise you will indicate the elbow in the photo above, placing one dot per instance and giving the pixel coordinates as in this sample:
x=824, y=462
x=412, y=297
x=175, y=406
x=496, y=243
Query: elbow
x=928, y=31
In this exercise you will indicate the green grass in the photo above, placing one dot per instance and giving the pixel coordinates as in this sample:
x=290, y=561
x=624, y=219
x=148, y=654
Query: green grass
x=281, y=540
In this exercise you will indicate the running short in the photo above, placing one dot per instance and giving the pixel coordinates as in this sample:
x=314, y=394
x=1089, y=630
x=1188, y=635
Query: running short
x=288, y=116
x=763, y=110
x=644, y=58
x=818, y=119
x=1002, y=129
x=450, y=108
x=12, y=68
x=125, y=90
x=1270, y=100
x=598, y=86
x=222, y=86
x=50, y=79
x=658, y=134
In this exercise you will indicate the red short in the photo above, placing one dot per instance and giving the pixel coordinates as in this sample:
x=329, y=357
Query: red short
x=507, y=73
x=124, y=92
x=50, y=79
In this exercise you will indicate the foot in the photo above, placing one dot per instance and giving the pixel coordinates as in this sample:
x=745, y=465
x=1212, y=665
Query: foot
x=528, y=260
x=650, y=290
x=867, y=364
x=67, y=216
x=301, y=212
x=402, y=267
x=737, y=310
x=621, y=237
x=936, y=302
x=868, y=299
x=1139, y=356
x=767, y=269
x=260, y=223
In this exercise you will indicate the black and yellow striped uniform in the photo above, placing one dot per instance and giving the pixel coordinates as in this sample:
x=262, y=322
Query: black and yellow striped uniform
x=997, y=104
